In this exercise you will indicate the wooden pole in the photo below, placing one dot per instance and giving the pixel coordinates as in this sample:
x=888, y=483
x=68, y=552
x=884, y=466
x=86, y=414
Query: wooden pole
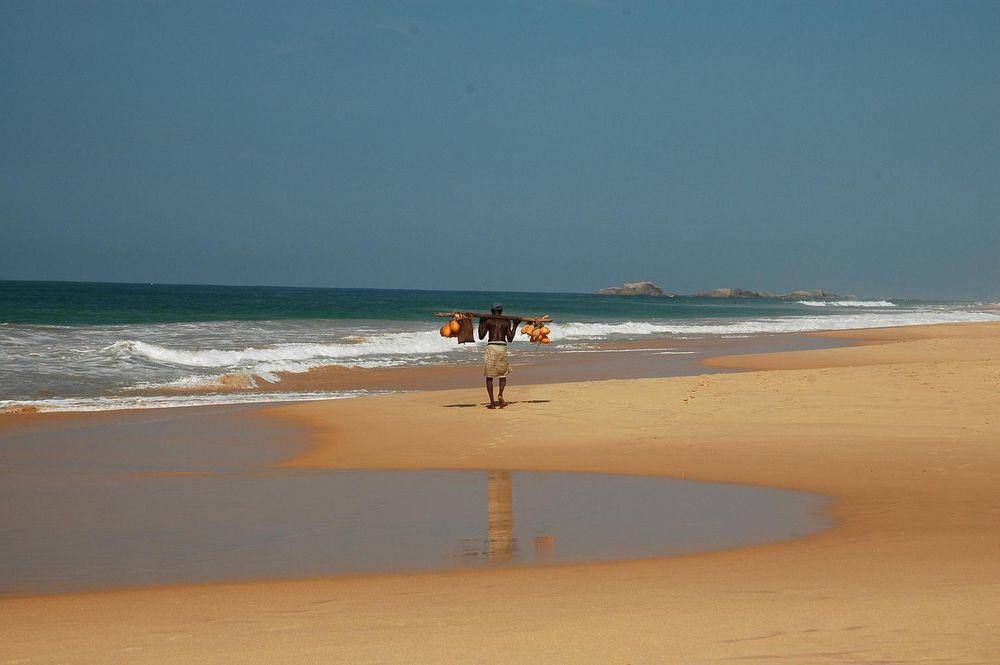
x=545, y=318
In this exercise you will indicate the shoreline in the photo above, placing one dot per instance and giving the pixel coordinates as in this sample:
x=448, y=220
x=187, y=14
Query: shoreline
x=651, y=358
x=899, y=428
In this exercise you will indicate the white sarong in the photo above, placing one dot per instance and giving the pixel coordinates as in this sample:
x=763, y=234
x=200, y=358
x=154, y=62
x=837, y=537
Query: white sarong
x=497, y=366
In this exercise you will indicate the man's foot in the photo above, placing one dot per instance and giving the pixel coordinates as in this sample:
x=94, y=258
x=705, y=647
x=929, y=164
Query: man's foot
x=491, y=405
x=502, y=403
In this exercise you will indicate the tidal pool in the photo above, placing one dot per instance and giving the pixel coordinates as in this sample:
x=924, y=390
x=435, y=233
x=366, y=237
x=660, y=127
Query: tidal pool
x=183, y=497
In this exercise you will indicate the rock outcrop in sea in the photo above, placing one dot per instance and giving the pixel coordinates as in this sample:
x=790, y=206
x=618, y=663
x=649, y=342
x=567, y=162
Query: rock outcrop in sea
x=816, y=294
x=734, y=293
x=635, y=289
x=651, y=289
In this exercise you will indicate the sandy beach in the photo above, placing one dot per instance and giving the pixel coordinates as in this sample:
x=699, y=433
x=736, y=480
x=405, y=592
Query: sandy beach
x=901, y=429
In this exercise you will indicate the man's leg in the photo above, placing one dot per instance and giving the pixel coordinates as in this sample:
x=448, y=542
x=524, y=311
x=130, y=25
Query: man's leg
x=489, y=389
x=503, y=384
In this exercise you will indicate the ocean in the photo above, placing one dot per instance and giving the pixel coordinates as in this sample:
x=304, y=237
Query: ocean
x=70, y=346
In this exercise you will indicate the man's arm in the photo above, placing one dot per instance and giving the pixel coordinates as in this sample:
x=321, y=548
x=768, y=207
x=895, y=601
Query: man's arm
x=482, y=329
x=512, y=329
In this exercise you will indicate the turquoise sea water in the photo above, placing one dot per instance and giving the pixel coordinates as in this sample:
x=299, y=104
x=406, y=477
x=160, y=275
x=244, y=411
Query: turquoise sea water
x=67, y=345
x=80, y=303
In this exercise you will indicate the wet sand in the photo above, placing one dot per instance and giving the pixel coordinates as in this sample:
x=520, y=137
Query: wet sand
x=86, y=529
x=903, y=432
x=96, y=501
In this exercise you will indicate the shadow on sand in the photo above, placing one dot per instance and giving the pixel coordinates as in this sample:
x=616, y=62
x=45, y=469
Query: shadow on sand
x=510, y=403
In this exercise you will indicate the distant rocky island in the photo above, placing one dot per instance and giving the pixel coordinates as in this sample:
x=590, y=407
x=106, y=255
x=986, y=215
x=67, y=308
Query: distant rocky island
x=651, y=289
x=816, y=294
x=636, y=289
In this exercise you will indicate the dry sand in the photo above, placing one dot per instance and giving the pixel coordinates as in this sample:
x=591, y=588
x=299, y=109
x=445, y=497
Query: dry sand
x=904, y=431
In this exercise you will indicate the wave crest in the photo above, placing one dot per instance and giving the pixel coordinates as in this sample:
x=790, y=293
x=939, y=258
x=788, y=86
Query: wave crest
x=301, y=354
x=847, y=303
x=766, y=326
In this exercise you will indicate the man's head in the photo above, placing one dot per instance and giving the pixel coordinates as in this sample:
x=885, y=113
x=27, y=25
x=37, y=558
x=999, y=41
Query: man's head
x=496, y=308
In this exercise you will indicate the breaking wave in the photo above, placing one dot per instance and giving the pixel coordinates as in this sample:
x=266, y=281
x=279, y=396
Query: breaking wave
x=181, y=364
x=283, y=357
x=847, y=303
x=764, y=326
x=420, y=347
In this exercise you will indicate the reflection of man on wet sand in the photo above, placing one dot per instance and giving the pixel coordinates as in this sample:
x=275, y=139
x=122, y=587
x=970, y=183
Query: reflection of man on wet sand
x=500, y=512
x=500, y=332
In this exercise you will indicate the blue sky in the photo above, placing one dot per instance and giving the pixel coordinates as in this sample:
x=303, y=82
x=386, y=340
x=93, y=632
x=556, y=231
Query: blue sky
x=555, y=146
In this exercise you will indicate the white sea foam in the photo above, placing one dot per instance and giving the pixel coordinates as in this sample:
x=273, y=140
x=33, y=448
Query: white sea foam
x=764, y=326
x=283, y=357
x=398, y=348
x=185, y=382
x=186, y=350
x=112, y=403
x=78, y=364
x=574, y=330
x=847, y=303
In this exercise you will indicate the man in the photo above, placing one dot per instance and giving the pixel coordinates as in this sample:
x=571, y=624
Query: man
x=500, y=332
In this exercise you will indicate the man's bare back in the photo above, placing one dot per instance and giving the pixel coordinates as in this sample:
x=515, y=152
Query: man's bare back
x=497, y=330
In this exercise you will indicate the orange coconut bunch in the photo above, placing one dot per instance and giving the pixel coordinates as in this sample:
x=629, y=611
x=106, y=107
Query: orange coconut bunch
x=537, y=333
x=451, y=328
